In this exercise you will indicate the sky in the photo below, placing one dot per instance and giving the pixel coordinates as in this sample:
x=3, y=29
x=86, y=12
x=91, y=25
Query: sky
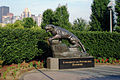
x=76, y=8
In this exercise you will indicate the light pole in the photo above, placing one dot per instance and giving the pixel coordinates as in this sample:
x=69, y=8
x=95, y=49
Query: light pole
x=110, y=5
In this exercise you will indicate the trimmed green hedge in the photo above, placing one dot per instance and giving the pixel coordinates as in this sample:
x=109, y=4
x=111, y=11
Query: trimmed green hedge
x=101, y=44
x=17, y=45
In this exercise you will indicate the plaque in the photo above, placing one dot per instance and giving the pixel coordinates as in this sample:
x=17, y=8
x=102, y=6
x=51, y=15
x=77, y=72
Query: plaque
x=70, y=63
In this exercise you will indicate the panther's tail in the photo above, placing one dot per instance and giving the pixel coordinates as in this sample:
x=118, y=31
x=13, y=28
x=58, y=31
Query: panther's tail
x=82, y=46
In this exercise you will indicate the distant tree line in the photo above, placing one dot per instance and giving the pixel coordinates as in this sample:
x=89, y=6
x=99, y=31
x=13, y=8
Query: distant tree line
x=25, y=23
x=99, y=19
x=60, y=17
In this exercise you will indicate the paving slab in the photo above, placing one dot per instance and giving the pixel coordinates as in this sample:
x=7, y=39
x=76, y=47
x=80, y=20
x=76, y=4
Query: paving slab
x=99, y=72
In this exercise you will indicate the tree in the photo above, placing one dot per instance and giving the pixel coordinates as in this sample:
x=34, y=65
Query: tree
x=61, y=17
x=47, y=17
x=0, y=25
x=79, y=24
x=29, y=22
x=117, y=28
x=9, y=25
x=95, y=24
x=117, y=10
x=100, y=17
x=18, y=23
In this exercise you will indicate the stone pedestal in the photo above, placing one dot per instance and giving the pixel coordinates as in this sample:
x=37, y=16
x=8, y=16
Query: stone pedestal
x=61, y=50
x=70, y=63
x=65, y=57
x=52, y=63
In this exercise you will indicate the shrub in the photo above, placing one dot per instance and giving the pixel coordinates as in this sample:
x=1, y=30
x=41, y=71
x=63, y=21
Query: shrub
x=101, y=44
x=17, y=45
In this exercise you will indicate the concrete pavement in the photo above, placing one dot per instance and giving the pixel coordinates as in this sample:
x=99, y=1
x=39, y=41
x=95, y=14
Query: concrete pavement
x=100, y=72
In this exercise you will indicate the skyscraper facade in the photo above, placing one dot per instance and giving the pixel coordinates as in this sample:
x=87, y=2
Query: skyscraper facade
x=4, y=10
x=26, y=13
x=39, y=20
x=8, y=19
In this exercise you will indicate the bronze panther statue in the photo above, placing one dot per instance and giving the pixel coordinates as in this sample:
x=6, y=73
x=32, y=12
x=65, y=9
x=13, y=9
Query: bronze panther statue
x=60, y=33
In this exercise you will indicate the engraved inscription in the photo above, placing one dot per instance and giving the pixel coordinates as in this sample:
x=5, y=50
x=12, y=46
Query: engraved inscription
x=76, y=63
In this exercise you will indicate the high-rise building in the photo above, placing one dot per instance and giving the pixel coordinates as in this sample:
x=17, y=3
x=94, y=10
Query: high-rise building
x=39, y=20
x=10, y=15
x=7, y=19
x=26, y=13
x=16, y=18
x=4, y=10
x=34, y=17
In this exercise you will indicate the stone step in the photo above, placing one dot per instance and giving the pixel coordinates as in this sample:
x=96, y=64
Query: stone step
x=73, y=49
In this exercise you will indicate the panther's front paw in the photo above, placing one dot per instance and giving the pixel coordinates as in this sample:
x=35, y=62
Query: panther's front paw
x=50, y=39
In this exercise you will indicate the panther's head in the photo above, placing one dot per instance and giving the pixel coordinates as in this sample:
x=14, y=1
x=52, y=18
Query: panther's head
x=49, y=28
